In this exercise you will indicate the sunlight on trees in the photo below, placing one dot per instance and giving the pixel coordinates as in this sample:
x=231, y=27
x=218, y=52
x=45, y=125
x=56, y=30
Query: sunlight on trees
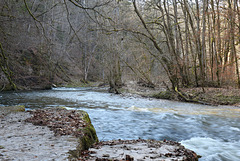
x=181, y=43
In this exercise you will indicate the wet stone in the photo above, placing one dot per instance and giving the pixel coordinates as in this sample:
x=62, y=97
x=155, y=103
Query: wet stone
x=139, y=150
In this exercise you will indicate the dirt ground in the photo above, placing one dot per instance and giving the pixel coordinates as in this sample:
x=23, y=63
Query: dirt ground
x=24, y=141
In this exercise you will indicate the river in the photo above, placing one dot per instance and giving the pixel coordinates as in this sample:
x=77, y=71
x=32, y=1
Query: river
x=211, y=131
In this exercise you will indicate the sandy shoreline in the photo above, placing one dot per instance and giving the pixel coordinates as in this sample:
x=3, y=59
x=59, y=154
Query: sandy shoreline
x=24, y=141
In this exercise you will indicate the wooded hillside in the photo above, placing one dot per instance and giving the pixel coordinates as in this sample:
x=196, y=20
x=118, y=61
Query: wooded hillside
x=182, y=43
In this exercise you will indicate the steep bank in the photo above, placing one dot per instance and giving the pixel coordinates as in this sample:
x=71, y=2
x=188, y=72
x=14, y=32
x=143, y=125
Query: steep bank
x=33, y=69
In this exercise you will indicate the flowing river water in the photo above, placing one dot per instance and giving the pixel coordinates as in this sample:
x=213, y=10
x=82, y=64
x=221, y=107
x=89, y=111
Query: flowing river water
x=211, y=131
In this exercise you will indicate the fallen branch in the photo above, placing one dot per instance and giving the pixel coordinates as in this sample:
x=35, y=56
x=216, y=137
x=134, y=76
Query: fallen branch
x=186, y=98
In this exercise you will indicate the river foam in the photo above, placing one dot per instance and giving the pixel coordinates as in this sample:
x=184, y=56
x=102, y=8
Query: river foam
x=213, y=149
x=205, y=110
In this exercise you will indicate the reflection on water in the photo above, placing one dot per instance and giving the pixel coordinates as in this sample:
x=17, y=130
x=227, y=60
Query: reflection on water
x=213, y=132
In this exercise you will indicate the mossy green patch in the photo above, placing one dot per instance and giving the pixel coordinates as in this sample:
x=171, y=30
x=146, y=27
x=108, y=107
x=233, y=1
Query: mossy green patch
x=1, y=147
x=8, y=109
x=80, y=84
x=88, y=138
x=20, y=108
x=164, y=95
x=86, y=117
x=61, y=108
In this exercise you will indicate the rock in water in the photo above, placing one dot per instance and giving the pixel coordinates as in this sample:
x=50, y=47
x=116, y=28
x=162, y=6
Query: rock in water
x=139, y=150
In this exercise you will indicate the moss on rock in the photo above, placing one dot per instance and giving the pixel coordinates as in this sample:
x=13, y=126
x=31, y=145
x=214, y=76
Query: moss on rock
x=20, y=108
x=85, y=116
x=88, y=137
x=4, y=110
x=68, y=122
x=89, y=134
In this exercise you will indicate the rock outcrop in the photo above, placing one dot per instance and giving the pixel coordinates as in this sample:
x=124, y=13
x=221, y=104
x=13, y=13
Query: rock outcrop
x=67, y=122
x=139, y=150
x=77, y=123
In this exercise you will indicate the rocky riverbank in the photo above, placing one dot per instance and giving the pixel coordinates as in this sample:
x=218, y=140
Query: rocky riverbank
x=206, y=95
x=60, y=134
x=140, y=150
x=45, y=134
x=20, y=140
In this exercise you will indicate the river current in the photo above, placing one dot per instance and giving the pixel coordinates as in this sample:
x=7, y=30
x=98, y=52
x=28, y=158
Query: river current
x=211, y=131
